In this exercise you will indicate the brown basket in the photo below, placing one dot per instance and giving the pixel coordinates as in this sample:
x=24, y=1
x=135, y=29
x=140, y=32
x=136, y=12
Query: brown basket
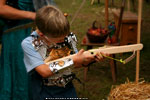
x=97, y=38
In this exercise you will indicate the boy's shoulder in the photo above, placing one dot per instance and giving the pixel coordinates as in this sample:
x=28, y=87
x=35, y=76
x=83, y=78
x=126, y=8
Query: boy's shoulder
x=28, y=40
x=32, y=58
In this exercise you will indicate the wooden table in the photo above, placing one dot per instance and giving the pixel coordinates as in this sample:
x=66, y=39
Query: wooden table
x=112, y=62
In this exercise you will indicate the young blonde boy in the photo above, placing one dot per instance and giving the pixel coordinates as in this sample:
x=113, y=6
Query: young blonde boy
x=52, y=27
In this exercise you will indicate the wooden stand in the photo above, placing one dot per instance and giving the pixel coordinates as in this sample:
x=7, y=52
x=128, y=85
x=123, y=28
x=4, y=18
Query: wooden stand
x=112, y=62
x=128, y=31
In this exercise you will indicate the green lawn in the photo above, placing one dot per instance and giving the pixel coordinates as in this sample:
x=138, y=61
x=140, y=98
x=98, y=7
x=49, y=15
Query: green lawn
x=99, y=82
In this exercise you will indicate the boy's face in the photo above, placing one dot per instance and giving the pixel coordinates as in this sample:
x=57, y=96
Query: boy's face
x=51, y=39
x=56, y=40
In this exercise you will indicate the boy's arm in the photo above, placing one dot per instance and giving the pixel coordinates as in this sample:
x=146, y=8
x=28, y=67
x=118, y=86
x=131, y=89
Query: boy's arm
x=44, y=70
x=78, y=60
x=34, y=61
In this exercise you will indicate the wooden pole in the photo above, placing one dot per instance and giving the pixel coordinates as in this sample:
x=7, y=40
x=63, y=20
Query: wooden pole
x=106, y=14
x=128, y=5
x=138, y=39
x=120, y=18
x=112, y=2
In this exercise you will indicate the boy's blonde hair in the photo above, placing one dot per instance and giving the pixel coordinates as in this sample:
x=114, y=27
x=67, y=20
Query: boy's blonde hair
x=52, y=22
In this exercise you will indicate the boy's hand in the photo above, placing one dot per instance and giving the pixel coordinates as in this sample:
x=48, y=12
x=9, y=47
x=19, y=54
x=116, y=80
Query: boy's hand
x=82, y=59
x=100, y=56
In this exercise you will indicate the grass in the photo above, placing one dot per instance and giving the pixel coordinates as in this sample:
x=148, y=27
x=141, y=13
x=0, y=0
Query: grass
x=99, y=80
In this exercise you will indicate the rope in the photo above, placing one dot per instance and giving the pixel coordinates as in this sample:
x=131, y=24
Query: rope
x=77, y=12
